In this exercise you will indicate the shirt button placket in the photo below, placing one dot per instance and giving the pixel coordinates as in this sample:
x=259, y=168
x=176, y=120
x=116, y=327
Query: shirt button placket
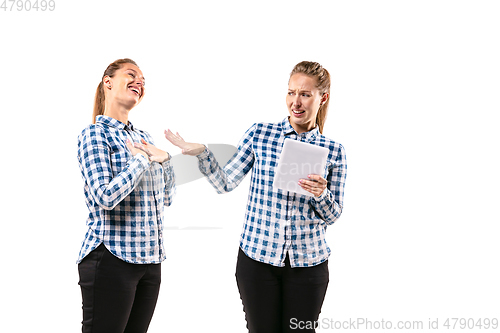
x=288, y=223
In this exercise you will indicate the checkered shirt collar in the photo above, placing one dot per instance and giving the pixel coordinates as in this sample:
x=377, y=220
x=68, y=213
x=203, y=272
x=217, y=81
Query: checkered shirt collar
x=287, y=129
x=112, y=122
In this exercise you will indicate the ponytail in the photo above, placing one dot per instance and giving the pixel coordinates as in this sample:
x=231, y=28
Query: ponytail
x=100, y=97
x=98, y=102
x=321, y=115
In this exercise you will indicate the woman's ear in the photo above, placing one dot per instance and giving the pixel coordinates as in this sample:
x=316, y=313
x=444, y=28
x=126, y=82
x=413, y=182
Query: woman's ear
x=107, y=81
x=324, y=98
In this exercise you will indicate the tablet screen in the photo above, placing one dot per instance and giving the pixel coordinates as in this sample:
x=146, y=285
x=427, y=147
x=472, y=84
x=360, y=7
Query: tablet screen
x=297, y=161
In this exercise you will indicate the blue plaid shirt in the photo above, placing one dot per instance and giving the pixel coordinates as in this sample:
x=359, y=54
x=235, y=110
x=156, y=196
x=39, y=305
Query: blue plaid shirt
x=278, y=221
x=125, y=194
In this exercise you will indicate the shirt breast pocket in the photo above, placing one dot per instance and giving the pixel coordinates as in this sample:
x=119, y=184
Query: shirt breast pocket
x=119, y=160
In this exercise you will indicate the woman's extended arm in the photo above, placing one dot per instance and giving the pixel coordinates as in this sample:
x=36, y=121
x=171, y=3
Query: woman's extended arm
x=222, y=179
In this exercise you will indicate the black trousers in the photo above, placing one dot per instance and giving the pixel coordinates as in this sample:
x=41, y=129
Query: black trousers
x=118, y=297
x=280, y=299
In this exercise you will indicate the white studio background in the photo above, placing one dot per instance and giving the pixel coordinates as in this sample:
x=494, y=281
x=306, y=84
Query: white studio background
x=414, y=100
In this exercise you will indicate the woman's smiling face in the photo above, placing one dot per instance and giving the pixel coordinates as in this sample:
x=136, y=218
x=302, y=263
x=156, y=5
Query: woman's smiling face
x=126, y=86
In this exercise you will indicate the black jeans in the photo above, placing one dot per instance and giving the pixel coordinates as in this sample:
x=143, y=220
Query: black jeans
x=280, y=299
x=118, y=297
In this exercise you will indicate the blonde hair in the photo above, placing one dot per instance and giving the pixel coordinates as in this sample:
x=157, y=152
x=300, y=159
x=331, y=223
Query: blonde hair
x=99, y=94
x=322, y=77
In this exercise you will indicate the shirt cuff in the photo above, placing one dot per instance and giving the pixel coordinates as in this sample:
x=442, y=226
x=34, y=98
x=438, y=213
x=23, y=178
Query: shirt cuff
x=321, y=196
x=166, y=165
x=203, y=155
x=167, y=162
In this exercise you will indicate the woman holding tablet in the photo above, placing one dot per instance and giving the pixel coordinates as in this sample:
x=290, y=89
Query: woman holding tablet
x=127, y=181
x=282, y=268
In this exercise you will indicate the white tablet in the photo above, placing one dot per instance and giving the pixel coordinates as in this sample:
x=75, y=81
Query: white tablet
x=297, y=161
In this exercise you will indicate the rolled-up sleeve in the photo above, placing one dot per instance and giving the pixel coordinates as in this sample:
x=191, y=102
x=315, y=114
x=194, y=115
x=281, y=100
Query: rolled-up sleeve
x=329, y=204
x=169, y=178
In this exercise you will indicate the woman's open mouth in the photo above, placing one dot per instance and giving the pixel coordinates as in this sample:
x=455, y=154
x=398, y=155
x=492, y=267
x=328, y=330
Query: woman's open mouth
x=136, y=90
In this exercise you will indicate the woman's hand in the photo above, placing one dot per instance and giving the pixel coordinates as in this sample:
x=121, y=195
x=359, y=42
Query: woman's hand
x=151, y=152
x=134, y=150
x=155, y=154
x=188, y=148
x=315, y=185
